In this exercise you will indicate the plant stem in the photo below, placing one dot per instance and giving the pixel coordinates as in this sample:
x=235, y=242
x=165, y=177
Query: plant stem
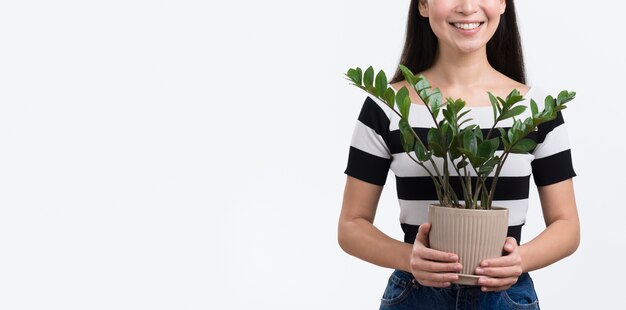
x=505, y=155
x=446, y=189
x=437, y=186
x=458, y=173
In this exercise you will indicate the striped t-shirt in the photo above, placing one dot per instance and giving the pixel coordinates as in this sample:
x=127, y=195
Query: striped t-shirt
x=376, y=148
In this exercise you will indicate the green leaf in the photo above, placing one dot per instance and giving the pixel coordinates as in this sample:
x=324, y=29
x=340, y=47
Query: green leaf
x=368, y=78
x=478, y=133
x=403, y=101
x=422, y=87
x=494, y=106
x=515, y=111
x=469, y=142
x=468, y=154
x=421, y=153
x=390, y=97
x=459, y=104
x=465, y=121
x=503, y=137
x=436, y=148
x=512, y=134
x=354, y=76
x=435, y=143
x=562, y=97
x=407, y=135
x=503, y=104
x=489, y=165
x=512, y=94
x=463, y=114
x=435, y=101
x=514, y=97
x=485, y=169
x=549, y=104
x=449, y=135
x=453, y=152
x=381, y=83
x=461, y=164
x=408, y=75
x=495, y=143
x=523, y=146
x=447, y=115
x=533, y=108
x=486, y=149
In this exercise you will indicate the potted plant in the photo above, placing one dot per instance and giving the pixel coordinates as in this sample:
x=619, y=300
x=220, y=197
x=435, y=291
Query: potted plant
x=473, y=228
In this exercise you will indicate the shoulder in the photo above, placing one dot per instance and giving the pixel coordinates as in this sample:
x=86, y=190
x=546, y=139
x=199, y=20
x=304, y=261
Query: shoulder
x=503, y=85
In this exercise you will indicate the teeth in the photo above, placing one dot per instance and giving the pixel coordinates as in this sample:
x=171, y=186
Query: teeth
x=466, y=26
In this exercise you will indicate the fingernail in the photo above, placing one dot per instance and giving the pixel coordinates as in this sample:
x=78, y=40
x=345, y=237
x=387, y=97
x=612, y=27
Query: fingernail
x=479, y=270
x=484, y=264
x=454, y=257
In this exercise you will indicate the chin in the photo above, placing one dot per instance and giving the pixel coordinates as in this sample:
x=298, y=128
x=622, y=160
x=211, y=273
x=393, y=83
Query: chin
x=468, y=49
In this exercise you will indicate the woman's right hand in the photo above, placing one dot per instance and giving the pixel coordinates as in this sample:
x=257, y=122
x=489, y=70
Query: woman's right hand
x=431, y=267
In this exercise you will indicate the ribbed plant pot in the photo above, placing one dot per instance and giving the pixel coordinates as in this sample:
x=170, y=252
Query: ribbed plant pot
x=474, y=235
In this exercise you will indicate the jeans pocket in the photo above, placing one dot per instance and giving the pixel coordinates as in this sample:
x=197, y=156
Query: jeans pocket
x=522, y=295
x=398, y=288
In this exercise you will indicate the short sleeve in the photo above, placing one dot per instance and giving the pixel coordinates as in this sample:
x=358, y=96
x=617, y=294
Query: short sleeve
x=553, y=157
x=369, y=158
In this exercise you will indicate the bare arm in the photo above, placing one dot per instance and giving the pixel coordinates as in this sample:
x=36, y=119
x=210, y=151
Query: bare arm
x=557, y=241
x=562, y=234
x=357, y=234
x=358, y=237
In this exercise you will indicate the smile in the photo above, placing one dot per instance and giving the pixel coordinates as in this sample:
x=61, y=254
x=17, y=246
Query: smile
x=466, y=26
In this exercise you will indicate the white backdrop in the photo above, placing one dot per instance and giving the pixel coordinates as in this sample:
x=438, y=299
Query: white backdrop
x=190, y=154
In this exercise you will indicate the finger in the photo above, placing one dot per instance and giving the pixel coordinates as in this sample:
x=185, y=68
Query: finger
x=510, y=244
x=502, y=261
x=431, y=266
x=440, y=256
x=500, y=272
x=422, y=234
x=436, y=277
x=491, y=284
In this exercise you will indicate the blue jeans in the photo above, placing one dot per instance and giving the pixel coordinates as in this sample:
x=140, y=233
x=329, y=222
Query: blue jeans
x=403, y=292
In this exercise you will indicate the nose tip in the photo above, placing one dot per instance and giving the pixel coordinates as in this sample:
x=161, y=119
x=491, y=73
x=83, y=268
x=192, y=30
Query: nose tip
x=467, y=6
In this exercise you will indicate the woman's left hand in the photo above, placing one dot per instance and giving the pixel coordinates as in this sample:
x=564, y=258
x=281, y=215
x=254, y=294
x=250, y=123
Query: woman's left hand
x=498, y=274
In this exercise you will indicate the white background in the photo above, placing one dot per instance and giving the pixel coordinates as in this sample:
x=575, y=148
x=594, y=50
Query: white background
x=190, y=154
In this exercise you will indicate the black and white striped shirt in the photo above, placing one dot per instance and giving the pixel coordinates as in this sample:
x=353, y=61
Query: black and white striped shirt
x=376, y=148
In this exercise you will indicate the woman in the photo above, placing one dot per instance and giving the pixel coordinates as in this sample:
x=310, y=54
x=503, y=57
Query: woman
x=465, y=48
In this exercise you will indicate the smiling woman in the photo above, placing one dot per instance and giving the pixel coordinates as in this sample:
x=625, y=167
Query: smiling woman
x=464, y=27
x=465, y=48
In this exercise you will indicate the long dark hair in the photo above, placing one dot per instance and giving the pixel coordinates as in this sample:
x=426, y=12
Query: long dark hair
x=504, y=50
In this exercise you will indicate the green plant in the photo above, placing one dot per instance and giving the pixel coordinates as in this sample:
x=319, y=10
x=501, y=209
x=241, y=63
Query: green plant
x=461, y=147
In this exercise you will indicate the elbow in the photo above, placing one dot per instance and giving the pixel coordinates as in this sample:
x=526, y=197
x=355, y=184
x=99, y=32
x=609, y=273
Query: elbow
x=574, y=241
x=345, y=236
x=342, y=238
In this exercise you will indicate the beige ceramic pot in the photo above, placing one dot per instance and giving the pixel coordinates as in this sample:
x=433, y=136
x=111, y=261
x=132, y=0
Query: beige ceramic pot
x=474, y=235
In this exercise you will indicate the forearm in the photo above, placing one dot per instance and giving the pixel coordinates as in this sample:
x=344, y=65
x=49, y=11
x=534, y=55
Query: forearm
x=559, y=240
x=359, y=238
